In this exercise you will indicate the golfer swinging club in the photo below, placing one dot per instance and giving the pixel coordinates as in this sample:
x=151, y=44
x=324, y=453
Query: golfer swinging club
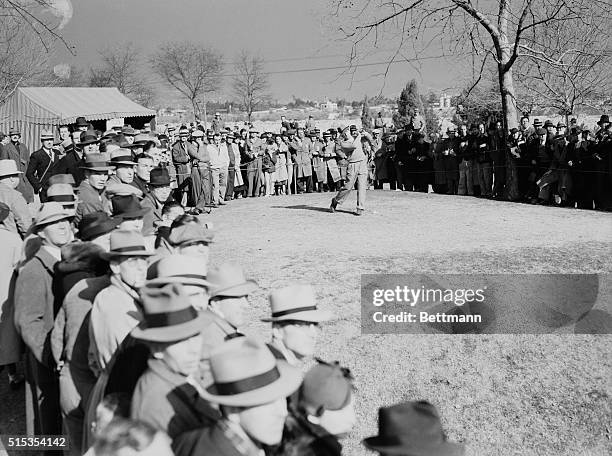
x=357, y=170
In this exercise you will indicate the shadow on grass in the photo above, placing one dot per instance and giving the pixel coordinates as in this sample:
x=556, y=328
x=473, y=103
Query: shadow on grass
x=305, y=207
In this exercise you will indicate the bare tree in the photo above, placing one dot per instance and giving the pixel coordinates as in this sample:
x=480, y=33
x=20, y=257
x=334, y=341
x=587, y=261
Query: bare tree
x=496, y=30
x=573, y=69
x=191, y=69
x=23, y=59
x=122, y=67
x=250, y=83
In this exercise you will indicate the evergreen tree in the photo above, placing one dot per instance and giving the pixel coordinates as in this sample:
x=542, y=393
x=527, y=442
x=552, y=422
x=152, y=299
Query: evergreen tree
x=366, y=116
x=409, y=100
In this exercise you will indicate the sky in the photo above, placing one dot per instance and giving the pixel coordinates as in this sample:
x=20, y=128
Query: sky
x=295, y=38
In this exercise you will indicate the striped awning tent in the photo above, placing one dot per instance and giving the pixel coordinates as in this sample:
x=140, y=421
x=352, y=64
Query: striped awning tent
x=33, y=109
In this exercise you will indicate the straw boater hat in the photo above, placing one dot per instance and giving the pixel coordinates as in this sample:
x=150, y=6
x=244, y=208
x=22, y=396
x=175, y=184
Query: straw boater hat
x=411, y=428
x=50, y=213
x=9, y=168
x=246, y=374
x=228, y=280
x=181, y=269
x=122, y=157
x=46, y=135
x=126, y=243
x=63, y=194
x=296, y=303
x=197, y=133
x=168, y=315
x=96, y=162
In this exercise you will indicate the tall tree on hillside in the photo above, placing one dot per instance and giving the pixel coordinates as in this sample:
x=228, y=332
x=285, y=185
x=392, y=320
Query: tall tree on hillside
x=191, y=69
x=122, y=67
x=408, y=100
x=250, y=83
x=366, y=115
x=498, y=31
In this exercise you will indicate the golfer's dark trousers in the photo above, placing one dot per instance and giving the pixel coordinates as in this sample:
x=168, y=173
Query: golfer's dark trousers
x=253, y=173
x=229, y=192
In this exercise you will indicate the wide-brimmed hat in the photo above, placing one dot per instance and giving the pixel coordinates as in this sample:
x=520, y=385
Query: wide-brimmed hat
x=537, y=123
x=603, y=119
x=46, y=135
x=122, y=156
x=62, y=193
x=50, y=213
x=81, y=122
x=197, y=133
x=88, y=137
x=182, y=269
x=127, y=207
x=9, y=168
x=4, y=211
x=228, y=280
x=548, y=123
x=168, y=315
x=184, y=131
x=127, y=243
x=296, y=303
x=411, y=428
x=561, y=125
x=96, y=162
x=191, y=233
x=62, y=179
x=246, y=374
x=14, y=131
x=159, y=176
x=128, y=131
x=143, y=140
x=96, y=224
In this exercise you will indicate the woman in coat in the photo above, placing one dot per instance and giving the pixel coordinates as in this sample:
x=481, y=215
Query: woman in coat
x=281, y=164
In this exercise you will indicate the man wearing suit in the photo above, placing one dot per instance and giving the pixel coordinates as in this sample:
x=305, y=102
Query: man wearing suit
x=39, y=167
x=302, y=151
x=20, y=154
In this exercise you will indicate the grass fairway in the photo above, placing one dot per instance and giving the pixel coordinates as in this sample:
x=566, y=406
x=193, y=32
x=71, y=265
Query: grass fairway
x=501, y=394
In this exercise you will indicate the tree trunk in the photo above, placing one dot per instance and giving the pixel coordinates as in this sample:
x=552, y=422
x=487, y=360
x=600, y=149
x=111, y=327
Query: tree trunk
x=205, y=116
x=194, y=106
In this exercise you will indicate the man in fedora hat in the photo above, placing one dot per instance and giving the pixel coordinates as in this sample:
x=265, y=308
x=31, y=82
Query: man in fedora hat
x=603, y=164
x=91, y=191
x=124, y=165
x=72, y=161
x=411, y=428
x=302, y=150
x=201, y=173
x=35, y=309
x=11, y=346
x=159, y=185
x=320, y=413
x=19, y=153
x=217, y=124
x=166, y=395
x=117, y=309
x=63, y=194
x=97, y=228
x=250, y=386
x=182, y=151
x=295, y=322
x=40, y=165
x=127, y=134
x=192, y=239
x=131, y=214
x=19, y=219
x=81, y=124
x=89, y=142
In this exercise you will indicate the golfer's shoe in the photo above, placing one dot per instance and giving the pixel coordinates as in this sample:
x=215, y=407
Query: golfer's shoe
x=359, y=212
x=333, y=205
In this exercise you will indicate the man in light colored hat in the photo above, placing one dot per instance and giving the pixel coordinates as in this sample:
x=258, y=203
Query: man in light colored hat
x=295, y=322
x=17, y=151
x=19, y=218
x=219, y=163
x=182, y=151
x=34, y=316
x=200, y=172
x=357, y=170
x=166, y=395
x=116, y=311
x=217, y=124
x=251, y=388
x=40, y=165
x=124, y=165
x=63, y=194
x=91, y=190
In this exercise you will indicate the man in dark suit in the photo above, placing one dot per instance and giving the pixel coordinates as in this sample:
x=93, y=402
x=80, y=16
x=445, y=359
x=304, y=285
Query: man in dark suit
x=40, y=165
x=17, y=151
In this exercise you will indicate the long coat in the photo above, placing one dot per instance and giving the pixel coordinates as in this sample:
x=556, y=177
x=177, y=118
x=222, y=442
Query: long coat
x=21, y=155
x=90, y=200
x=39, y=171
x=180, y=157
x=218, y=440
x=19, y=218
x=34, y=316
x=317, y=162
x=301, y=151
x=70, y=164
x=11, y=346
